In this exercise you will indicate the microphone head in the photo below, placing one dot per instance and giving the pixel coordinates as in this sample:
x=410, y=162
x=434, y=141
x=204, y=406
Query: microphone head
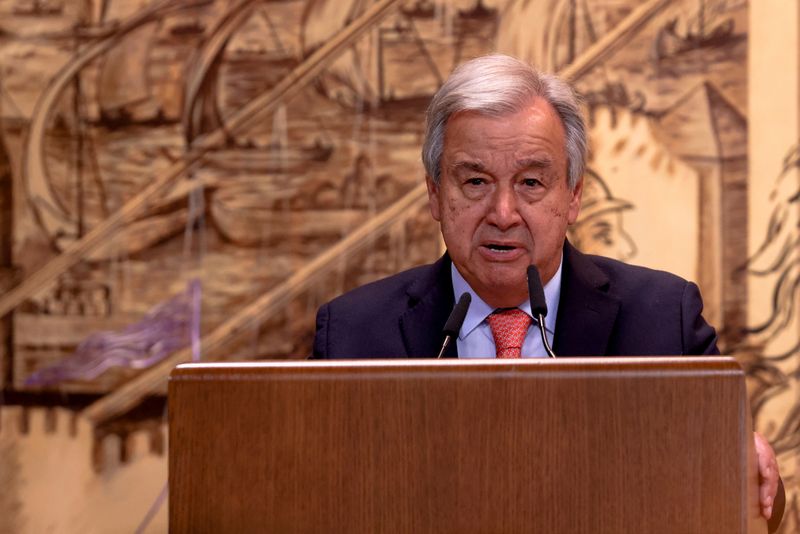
x=536, y=293
x=457, y=316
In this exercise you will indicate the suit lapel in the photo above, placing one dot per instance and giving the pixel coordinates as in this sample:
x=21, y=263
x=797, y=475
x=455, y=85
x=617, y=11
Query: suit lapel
x=587, y=310
x=430, y=300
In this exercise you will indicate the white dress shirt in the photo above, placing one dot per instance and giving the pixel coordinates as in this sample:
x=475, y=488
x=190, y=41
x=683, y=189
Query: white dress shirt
x=475, y=338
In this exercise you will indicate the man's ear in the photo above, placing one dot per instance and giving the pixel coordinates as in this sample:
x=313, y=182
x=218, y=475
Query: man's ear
x=433, y=198
x=575, y=202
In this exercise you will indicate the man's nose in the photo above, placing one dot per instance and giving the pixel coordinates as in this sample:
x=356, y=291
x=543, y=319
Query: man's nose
x=503, y=211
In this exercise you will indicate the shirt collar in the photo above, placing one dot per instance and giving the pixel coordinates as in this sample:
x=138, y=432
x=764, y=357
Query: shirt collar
x=479, y=310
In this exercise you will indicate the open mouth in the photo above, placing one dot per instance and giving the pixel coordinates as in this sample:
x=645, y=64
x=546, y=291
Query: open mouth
x=500, y=248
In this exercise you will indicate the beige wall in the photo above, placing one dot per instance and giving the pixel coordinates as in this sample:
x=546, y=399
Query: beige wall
x=49, y=477
x=774, y=124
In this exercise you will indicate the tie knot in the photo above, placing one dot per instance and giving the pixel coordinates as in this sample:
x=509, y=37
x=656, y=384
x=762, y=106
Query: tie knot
x=509, y=328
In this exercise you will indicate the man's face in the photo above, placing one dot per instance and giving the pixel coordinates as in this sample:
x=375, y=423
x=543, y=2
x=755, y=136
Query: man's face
x=503, y=201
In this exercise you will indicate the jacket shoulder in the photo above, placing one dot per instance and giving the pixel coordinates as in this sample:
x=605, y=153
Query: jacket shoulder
x=366, y=321
x=624, y=277
x=375, y=295
x=660, y=312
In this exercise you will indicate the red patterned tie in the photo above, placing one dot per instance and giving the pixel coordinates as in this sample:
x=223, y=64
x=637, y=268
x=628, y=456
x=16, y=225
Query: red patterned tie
x=509, y=328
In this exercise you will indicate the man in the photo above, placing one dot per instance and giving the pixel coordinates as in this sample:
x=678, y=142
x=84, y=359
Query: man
x=504, y=155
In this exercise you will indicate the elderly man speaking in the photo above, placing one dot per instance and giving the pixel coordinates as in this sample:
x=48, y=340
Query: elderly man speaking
x=504, y=154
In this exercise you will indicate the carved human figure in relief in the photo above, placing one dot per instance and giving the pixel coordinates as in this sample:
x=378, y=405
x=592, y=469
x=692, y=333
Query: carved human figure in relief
x=600, y=229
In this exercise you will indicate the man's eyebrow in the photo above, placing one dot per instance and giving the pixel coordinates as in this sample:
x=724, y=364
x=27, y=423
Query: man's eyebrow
x=524, y=163
x=474, y=166
x=534, y=163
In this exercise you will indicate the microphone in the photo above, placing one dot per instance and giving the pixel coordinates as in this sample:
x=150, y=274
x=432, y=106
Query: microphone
x=454, y=322
x=538, y=305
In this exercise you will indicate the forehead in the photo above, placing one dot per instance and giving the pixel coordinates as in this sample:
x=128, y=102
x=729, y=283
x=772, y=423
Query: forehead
x=535, y=131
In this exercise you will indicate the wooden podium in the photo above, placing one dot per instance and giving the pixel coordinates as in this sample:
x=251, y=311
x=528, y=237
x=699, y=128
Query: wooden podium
x=589, y=445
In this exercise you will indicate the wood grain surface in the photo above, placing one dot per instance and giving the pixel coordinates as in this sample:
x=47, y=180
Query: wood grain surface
x=585, y=445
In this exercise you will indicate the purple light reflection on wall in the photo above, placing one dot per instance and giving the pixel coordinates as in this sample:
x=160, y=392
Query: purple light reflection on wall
x=169, y=326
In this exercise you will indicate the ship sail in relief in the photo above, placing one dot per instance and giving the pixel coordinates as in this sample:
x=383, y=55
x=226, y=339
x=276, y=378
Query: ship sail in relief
x=352, y=78
x=548, y=34
x=123, y=90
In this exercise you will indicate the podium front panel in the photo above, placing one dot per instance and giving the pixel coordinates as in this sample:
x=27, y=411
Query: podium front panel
x=594, y=445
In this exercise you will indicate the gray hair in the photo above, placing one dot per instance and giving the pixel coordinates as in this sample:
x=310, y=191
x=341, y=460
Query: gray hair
x=497, y=85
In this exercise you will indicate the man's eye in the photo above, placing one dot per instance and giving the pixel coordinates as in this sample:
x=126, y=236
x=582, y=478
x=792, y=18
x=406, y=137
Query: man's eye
x=531, y=182
x=476, y=181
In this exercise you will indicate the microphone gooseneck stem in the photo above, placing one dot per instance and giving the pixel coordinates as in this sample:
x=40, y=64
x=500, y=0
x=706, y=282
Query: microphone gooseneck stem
x=454, y=322
x=540, y=320
x=444, y=346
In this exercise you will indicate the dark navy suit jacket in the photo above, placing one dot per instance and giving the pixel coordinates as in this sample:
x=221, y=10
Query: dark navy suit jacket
x=606, y=308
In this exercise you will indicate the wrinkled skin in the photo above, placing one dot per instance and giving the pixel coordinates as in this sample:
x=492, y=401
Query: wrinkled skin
x=503, y=201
